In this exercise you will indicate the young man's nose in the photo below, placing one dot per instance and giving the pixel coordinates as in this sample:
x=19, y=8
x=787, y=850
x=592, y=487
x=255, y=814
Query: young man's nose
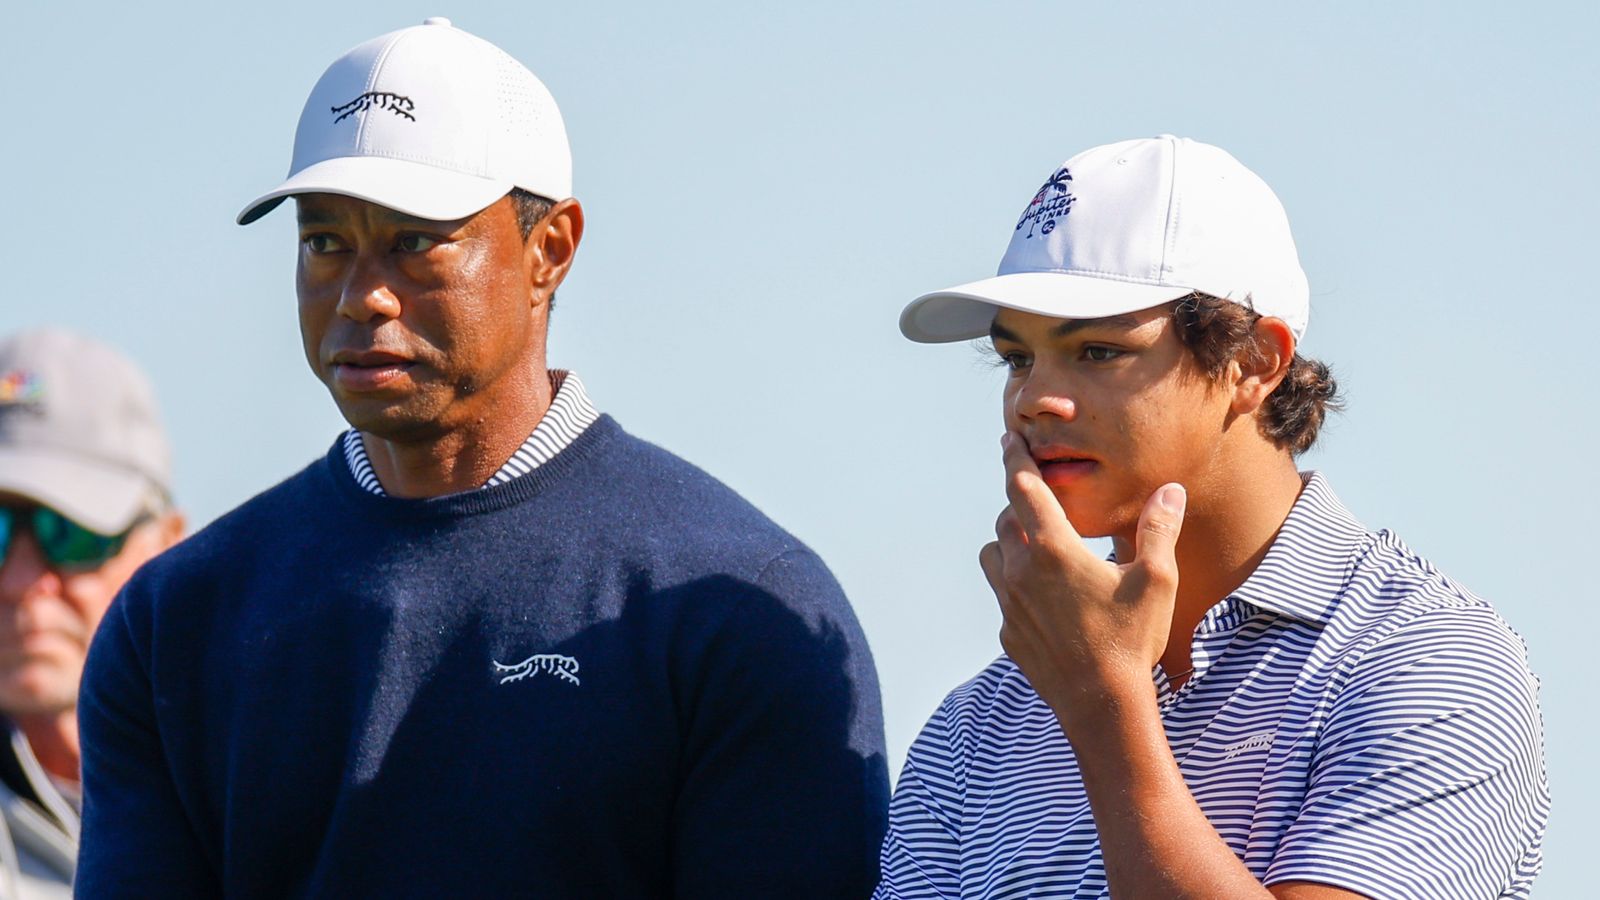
x=1036, y=398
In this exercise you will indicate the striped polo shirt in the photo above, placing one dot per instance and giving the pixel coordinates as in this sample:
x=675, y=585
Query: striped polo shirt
x=1355, y=718
x=569, y=414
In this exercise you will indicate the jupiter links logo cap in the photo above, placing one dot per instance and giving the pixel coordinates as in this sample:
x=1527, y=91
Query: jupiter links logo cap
x=1128, y=226
x=428, y=120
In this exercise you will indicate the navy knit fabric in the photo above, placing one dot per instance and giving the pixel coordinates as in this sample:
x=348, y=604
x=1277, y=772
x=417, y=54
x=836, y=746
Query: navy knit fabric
x=611, y=677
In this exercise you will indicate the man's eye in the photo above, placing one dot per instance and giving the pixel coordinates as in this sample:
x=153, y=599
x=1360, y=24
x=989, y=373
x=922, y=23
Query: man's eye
x=1014, y=361
x=1096, y=353
x=416, y=243
x=321, y=243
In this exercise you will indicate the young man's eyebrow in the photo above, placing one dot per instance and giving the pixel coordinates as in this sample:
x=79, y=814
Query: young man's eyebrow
x=1125, y=322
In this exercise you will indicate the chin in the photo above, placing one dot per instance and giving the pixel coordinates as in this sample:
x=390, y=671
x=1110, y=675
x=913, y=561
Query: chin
x=391, y=421
x=36, y=694
x=1092, y=517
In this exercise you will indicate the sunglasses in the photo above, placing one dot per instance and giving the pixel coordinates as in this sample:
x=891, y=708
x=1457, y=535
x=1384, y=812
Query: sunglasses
x=67, y=546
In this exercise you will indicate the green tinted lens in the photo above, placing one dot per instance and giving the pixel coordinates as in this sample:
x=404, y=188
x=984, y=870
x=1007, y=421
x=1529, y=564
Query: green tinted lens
x=67, y=544
x=6, y=516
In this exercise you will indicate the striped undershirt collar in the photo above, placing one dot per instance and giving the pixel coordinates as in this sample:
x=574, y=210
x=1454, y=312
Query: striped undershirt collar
x=569, y=414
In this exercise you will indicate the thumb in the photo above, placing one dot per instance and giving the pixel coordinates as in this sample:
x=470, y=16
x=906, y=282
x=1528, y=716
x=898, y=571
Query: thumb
x=1155, y=544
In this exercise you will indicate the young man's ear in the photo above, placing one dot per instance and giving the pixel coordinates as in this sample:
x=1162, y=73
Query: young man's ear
x=1261, y=372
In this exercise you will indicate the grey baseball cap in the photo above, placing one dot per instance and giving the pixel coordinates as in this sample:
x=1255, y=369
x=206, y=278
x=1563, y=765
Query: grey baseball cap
x=79, y=430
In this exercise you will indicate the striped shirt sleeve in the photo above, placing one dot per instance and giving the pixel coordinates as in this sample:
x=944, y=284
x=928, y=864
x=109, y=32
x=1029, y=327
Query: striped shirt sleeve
x=1427, y=780
x=921, y=853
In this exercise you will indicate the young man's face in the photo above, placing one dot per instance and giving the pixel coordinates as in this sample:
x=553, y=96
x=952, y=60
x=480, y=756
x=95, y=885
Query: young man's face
x=1111, y=409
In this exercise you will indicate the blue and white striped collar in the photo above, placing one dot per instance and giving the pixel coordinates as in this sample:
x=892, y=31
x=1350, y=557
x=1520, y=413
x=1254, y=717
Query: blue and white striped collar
x=569, y=414
x=1311, y=560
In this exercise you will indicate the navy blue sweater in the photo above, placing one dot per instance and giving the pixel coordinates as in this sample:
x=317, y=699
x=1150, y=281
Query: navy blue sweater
x=609, y=678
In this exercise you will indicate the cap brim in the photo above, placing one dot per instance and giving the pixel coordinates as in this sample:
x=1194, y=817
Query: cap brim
x=416, y=189
x=967, y=310
x=96, y=496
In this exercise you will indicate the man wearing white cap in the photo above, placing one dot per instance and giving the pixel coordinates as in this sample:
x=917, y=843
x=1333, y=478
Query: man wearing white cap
x=490, y=645
x=85, y=479
x=1259, y=696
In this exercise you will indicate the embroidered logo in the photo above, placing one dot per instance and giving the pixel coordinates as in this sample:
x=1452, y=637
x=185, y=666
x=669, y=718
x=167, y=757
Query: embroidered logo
x=20, y=386
x=395, y=103
x=1262, y=741
x=1052, y=202
x=562, y=667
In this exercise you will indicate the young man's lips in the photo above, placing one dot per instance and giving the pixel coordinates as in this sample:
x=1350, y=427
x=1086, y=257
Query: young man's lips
x=1061, y=465
x=1064, y=471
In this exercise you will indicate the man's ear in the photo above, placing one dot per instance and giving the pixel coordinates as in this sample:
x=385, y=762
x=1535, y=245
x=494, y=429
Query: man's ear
x=170, y=527
x=1261, y=372
x=550, y=247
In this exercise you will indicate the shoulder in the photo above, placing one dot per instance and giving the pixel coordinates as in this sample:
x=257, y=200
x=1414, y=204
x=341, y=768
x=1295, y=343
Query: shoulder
x=992, y=708
x=1430, y=654
x=682, y=511
x=242, y=533
x=1400, y=604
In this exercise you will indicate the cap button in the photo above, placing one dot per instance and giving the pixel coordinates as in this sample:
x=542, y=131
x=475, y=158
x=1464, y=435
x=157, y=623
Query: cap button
x=436, y=20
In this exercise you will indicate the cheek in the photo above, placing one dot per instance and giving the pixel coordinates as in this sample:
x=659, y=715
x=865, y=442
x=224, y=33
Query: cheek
x=90, y=595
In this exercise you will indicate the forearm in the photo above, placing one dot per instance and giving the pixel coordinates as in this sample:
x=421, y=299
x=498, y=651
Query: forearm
x=1155, y=840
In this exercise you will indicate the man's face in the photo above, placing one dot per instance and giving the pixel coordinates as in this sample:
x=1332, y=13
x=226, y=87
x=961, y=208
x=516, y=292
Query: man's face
x=417, y=327
x=1111, y=410
x=47, y=616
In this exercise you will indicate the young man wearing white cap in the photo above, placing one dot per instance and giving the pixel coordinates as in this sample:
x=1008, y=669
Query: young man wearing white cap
x=491, y=644
x=1259, y=696
x=85, y=479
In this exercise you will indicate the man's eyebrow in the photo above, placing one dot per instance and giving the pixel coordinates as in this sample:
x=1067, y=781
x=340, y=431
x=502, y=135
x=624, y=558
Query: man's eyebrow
x=311, y=215
x=1126, y=322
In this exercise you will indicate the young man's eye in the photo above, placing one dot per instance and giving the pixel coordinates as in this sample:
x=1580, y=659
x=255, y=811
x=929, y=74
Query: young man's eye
x=1015, y=361
x=1097, y=353
x=416, y=243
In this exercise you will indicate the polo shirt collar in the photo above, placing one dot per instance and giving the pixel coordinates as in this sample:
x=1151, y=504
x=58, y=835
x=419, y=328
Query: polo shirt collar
x=1312, y=558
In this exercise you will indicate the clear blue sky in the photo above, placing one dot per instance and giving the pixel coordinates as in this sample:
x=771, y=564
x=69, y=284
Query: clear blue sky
x=766, y=186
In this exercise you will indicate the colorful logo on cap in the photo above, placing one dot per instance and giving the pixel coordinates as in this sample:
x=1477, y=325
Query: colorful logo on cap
x=1052, y=202
x=395, y=103
x=20, y=386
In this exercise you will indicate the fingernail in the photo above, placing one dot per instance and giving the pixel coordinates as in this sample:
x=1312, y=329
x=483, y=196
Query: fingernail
x=1173, y=497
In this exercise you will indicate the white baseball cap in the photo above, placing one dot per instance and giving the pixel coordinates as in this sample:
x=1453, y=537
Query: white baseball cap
x=428, y=120
x=1128, y=226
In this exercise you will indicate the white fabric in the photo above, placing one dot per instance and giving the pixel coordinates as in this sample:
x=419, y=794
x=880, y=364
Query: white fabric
x=1128, y=226
x=429, y=120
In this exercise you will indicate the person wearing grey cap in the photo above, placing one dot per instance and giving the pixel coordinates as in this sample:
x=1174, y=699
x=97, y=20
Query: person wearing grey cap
x=1258, y=696
x=491, y=644
x=85, y=500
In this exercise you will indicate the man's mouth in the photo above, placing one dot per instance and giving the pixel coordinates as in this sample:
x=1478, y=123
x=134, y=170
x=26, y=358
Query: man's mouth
x=368, y=370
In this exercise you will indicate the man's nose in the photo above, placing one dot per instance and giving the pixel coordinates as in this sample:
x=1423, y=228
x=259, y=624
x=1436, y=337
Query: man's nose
x=368, y=292
x=25, y=570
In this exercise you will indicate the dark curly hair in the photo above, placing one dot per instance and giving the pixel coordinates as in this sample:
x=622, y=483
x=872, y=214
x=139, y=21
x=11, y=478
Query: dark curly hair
x=1218, y=331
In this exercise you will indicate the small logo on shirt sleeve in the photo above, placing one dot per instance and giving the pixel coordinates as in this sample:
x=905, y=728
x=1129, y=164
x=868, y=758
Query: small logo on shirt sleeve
x=562, y=667
x=1262, y=741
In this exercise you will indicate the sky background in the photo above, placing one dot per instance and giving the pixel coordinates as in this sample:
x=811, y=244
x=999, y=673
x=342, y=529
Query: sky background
x=767, y=185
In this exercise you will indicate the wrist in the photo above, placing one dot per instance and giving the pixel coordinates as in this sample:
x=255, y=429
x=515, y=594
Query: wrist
x=1095, y=705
